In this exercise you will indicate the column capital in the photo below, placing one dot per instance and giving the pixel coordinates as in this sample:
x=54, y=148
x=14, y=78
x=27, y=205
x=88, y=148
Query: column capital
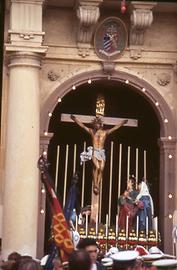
x=88, y=13
x=26, y=59
x=141, y=18
x=27, y=48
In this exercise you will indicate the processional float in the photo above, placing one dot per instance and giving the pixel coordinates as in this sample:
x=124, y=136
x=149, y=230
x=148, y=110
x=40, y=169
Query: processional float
x=107, y=232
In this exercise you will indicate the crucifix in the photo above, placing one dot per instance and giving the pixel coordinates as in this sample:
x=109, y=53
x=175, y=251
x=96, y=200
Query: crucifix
x=96, y=152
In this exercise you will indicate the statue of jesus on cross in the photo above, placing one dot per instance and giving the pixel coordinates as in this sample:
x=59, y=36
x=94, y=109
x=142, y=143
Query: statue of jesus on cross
x=96, y=152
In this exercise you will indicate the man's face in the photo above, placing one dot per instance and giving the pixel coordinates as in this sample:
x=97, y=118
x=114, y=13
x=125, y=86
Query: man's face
x=92, y=250
x=129, y=185
x=97, y=126
x=57, y=265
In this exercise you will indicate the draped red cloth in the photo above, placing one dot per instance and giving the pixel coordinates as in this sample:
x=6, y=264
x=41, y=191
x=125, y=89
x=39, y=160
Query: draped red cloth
x=60, y=229
x=125, y=210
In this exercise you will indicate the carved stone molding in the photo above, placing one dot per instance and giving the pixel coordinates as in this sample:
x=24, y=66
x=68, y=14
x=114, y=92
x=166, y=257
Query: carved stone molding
x=26, y=22
x=88, y=14
x=163, y=79
x=135, y=52
x=83, y=50
x=108, y=67
x=22, y=37
x=52, y=75
x=141, y=19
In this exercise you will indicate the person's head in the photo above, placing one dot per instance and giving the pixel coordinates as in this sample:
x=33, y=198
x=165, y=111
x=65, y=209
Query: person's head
x=97, y=123
x=125, y=260
x=57, y=265
x=143, y=188
x=8, y=265
x=126, y=193
x=131, y=265
x=29, y=264
x=13, y=261
x=90, y=246
x=15, y=256
x=86, y=210
x=131, y=182
x=79, y=260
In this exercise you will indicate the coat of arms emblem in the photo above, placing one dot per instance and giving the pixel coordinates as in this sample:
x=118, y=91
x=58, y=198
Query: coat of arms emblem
x=110, y=38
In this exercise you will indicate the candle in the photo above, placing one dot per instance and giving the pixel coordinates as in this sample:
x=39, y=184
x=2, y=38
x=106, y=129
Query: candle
x=156, y=228
x=56, y=169
x=147, y=226
x=137, y=226
x=83, y=180
x=120, y=168
x=86, y=225
x=110, y=183
x=145, y=165
x=117, y=225
x=126, y=227
x=65, y=176
x=136, y=167
x=76, y=223
x=106, y=225
x=96, y=228
x=128, y=163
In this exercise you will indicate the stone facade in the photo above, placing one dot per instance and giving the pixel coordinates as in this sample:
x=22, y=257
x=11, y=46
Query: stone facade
x=49, y=48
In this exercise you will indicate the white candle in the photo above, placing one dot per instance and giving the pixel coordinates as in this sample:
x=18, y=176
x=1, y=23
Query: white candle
x=147, y=226
x=56, y=169
x=128, y=163
x=145, y=165
x=136, y=167
x=83, y=179
x=120, y=170
x=96, y=225
x=117, y=225
x=110, y=183
x=76, y=223
x=65, y=176
x=156, y=228
x=74, y=159
x=126, y=227
x=137, y=226
x=86, y=225
x=106, y=225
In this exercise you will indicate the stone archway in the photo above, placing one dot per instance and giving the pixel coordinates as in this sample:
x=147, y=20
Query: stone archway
x=167, y=141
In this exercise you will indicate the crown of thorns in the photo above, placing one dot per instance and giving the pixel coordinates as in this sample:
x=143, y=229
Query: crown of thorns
x=97, y=120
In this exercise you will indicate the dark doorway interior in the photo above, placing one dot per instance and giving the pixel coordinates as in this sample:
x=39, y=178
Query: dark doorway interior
x=121, y=101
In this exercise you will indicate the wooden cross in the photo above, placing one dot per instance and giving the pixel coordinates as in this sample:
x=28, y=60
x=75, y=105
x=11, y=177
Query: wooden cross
x=107, y=121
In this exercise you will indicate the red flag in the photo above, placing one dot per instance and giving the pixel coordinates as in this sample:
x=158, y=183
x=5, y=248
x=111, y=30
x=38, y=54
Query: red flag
x=60, y=230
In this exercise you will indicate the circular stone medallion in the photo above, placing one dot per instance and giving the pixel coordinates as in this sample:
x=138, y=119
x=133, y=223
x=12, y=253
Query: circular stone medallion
x=110, y=38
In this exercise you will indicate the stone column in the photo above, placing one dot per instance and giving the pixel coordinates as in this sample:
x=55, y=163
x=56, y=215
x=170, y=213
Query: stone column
x=21, y=188
x=22, y=153
x=167, y=187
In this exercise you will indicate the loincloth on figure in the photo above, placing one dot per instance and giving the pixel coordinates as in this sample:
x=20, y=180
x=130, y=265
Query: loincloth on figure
x=99, y=154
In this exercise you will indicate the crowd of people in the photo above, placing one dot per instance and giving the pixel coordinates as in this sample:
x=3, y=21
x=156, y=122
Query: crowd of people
x=86, y=257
